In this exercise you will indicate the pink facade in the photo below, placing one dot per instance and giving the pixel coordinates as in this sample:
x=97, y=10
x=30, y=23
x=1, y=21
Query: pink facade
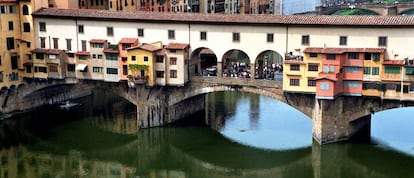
x=123, y=45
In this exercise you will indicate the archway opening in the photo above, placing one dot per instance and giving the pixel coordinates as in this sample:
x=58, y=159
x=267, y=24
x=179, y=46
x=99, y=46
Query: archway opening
x=203, y=62
x=408, y=12
x=269, y=66
x=236, y=63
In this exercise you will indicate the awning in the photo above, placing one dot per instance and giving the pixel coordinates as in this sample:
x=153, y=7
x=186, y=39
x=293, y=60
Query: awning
x=81, y=66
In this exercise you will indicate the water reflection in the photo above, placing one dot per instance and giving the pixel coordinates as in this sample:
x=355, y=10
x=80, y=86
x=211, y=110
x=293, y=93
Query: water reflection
x=258, y=121
x=99, y=143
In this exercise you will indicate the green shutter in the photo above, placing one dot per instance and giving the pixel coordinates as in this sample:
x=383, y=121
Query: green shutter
x=405, y=88
x=409, y=70
x=392, y=69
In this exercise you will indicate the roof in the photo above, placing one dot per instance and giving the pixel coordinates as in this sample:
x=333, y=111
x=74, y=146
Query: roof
x=82, y=53
x=343, y=50
x=161, y=52
x=128, y=40
x=47, y=51
x=176, y=46
x=146, y=47
x=98, y=41
x=111, y=50
x=326, y=77
x=393, y=62
x=3, y=1
x=258, y=19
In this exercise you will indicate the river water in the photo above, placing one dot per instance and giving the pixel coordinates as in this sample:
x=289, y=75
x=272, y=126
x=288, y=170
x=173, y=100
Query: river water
x=239, y=135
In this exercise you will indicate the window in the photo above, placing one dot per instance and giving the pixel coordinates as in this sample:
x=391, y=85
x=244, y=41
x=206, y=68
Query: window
x=26, y=27
x=82, y=57
x=111, y=57
x=392, y=69
x=331, y=69
x=80, y=29
x=269, y=38
x=375, y=71
x=330, y=56
x=325, y=69
x=382, y=41
x=12, y=9
x=367, y=86
x=305, y=39
x=41, y=69
x=313, y=54
x=145, y=58
x=173, y=73
x=294, y=82
x=111, y=70
x=42, y=42
x=126, y=46
x=133, y=58
x=93, y=56
x=14, y=62
x=324, y=86
x=294, y=67
x=367, y=56
x=28, y=44
x=313, y=67
x=409, y=70
x=53, y=68
x=203, y=35
x=25, y=10
x=83, y=45
x=376, y=56
x=352, y=84
x=173, y=61
x=124, y=69
x=10, y=43
x=367, y=70
x=160, y=59
x=69, y=44
x=236, y=37
x=100, y=56
x=353, y=55
x=42, y=26
x=97, y=45
x=159, y=74
x=40, y=56
x=343, y=40
x=109, y=31
x=124, y=59
x=10, y=25
x=352, y=69
x=311, y=83
x=390, y=86
x=171, y=34
x=140, y=32
x=56, y=43
x=71, y=67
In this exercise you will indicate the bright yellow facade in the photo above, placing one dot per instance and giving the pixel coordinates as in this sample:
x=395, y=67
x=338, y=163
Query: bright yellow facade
x=301, y=79
x=17, y=40
x=143, y=58
x=373, y=69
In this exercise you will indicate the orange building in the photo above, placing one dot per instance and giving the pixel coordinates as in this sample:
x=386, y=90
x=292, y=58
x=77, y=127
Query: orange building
x=123, y=45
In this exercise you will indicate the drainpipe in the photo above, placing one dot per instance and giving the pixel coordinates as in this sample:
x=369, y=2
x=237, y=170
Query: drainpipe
x=287, y=40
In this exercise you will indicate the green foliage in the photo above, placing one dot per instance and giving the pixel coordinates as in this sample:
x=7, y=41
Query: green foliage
x=354, y=12
x=138, y=67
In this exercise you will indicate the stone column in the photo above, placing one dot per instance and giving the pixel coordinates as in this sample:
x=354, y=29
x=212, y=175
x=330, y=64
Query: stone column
x=252, y=70
x=332, y=119
x=219, y=69
x=151, y=114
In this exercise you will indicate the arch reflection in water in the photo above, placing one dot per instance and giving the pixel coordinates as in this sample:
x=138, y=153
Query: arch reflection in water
x=258, y=121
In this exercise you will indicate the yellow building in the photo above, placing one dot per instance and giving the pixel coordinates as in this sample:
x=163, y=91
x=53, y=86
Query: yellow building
x=17, y=40
x=141, y=64
x=372, y=69
x=300, y=72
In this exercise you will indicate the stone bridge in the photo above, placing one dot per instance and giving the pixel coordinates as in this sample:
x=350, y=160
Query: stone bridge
x=379, y=8
x=333, y=120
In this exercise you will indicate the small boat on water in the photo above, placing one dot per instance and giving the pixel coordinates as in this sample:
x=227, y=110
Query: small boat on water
x=68, y=105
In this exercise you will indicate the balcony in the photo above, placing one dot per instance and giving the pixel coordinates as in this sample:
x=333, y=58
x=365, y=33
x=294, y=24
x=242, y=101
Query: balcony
x=136, y=79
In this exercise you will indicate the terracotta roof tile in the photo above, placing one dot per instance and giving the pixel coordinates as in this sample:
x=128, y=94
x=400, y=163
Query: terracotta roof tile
x=98, y=41
x=342, y=50
x=111, y=50
x=82, y=53
x=393, y=62
x=146, y=47
x=361, y=20
x=129, y=40
x=4, y=1
x=161, y=52
x=176, y=46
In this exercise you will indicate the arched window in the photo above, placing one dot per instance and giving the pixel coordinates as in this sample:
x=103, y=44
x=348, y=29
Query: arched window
x=25, y=10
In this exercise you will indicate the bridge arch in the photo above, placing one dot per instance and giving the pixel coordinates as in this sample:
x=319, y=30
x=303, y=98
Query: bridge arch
x=236, y=63
x=267, y=64
x=203, y=62
x=407, y=12
x=354, y=11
